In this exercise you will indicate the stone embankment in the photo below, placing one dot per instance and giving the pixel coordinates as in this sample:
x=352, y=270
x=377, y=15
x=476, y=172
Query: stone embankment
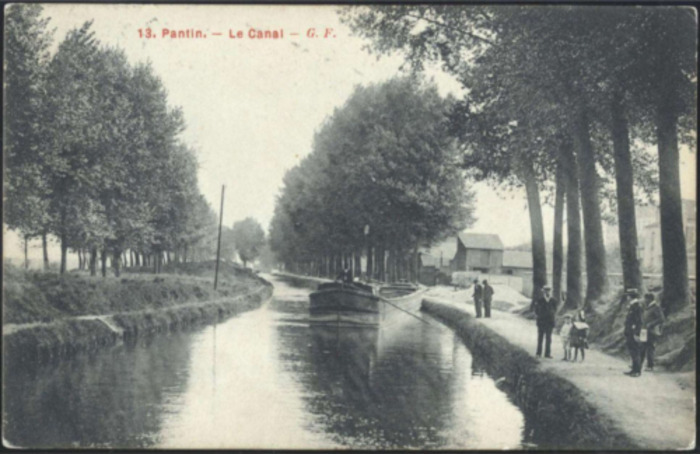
x=583, y=405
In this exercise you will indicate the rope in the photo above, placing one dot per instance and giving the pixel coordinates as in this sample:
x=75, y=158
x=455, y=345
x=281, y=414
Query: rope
x=409, y=313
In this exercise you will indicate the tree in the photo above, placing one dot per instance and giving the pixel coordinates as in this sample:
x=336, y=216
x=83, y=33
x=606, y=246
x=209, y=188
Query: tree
x=249, y=238
x=384, y=160
x=26, y=56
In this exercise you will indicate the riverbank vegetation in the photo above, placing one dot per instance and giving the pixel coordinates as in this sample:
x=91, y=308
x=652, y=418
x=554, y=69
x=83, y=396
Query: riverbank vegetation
x=36, y=296
x=566, y=100
x=93, y=153
x=382, y=180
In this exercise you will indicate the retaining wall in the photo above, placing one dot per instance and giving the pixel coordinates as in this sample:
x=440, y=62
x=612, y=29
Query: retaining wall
x=70, y=336
x=557, y=415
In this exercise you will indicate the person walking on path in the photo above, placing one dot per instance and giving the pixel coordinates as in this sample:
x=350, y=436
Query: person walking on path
x=545, y=308
x=478, y=297
x=653, y=319
x=488, y=297
x=633, y=328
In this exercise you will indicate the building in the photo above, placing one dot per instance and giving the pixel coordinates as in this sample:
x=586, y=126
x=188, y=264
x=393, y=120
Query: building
x=649, y=247
x=481, y=252
x=517, y=263
x=437, y=263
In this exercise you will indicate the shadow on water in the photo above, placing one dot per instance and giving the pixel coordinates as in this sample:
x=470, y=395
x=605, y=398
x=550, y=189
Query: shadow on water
x=110, y=398
x=267, y=379
x=409, y=386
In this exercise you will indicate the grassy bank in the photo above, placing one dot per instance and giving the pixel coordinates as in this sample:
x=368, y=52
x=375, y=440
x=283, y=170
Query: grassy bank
x=556, y=412
x=35, y=296
x=61, y=315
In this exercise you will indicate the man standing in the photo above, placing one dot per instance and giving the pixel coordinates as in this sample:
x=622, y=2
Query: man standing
x=653, y=320
x=545, y=308
x=488, y=296
x=633, y=327
x=478, y=295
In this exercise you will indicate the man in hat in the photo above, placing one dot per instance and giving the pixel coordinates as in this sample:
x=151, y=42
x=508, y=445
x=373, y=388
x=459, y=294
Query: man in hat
x=633, y=328
x=653, y=320
x=545, y=308
x=478, y=295
x=488, y=297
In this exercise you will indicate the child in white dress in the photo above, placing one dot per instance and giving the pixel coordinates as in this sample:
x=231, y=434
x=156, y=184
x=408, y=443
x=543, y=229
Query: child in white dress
x=565, y=334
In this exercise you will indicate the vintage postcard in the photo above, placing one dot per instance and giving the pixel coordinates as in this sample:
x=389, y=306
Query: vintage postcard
x=376, y=227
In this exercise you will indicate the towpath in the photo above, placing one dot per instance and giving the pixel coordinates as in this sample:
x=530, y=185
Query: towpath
x=657, y=409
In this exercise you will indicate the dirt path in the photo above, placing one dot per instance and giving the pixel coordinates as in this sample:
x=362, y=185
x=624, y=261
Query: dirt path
x=656, y=409
x=107, y=319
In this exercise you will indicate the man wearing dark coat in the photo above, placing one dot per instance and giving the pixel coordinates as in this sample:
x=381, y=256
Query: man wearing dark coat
x=545, y=308
x=488, y=297
x=633, y=328
x=478, y=297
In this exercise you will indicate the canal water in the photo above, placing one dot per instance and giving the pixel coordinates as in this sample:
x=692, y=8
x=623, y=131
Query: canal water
x=267, y=379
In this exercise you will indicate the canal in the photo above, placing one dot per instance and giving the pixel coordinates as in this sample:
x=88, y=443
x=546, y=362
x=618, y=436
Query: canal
x=267, y=379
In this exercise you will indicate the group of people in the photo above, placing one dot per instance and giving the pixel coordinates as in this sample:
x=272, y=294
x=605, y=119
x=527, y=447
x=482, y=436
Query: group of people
x=642, y=330
x=643, y=327
x=483, y=296
x=573, y=333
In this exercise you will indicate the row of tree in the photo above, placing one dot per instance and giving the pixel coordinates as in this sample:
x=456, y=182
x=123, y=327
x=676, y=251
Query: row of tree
x=382, y=181
x=558, y=97
x=92, y=151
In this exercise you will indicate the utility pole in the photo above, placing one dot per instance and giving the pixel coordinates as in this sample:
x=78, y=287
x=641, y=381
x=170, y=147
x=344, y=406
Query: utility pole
x=218, y=244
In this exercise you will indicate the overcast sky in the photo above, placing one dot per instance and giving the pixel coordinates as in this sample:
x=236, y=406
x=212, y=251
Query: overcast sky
x=252, y=106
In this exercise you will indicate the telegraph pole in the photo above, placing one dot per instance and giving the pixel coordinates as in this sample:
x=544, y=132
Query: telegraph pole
x=218, y=244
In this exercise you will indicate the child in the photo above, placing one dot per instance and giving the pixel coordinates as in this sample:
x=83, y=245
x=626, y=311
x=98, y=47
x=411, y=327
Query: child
x=565, y=333
x=579, y=336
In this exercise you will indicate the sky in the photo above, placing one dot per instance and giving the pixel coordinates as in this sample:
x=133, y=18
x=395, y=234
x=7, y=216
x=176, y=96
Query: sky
x=252, y=106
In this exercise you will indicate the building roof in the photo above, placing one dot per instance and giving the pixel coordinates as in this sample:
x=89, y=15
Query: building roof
x=480, y=241
x=517, y=259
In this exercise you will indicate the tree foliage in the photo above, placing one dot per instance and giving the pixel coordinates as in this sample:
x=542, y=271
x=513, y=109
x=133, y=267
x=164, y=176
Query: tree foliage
x=94, y=155
x=383, y=172
x=538, y=79
x=249, y=239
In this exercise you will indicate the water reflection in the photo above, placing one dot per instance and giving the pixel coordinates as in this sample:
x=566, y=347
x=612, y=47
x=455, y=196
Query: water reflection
x=115, y=398
x=267, y=379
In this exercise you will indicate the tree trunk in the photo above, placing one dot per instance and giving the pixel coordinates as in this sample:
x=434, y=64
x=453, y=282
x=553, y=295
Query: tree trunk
x=93, y=261
x=558, y=248
x=369, y=262
x=626, y=216
x=168, y=256
x=103, y=258
x=80, y=258
x=596, y=269
x=45, y=250
x=26, y=252
x=379, y=262
x=358, y=265
x=416, y=267
x=573, y=231
x=64, y=253
x=539, y=259
x=675, y=259
x=116, y=262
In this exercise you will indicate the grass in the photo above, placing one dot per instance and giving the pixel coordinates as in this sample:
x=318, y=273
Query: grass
x=35, y=296
x=139, y=304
